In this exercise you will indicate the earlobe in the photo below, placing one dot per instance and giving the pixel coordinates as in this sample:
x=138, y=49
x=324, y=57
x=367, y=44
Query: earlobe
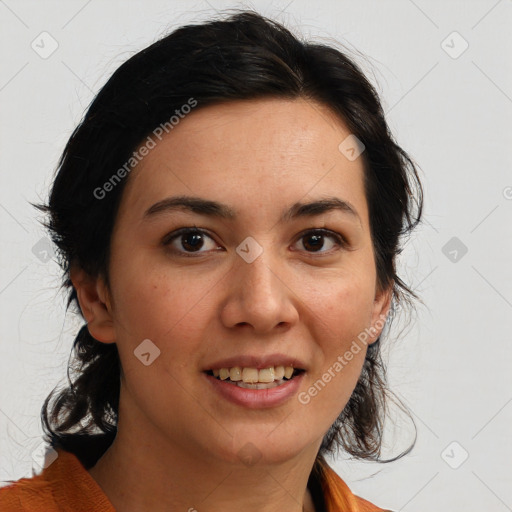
x=95, y=305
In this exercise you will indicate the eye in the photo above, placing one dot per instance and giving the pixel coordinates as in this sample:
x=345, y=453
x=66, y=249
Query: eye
x=187, y=241
x=314, y=239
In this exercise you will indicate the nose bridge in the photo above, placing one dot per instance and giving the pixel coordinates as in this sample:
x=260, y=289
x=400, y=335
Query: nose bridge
x=259, y=283
x=258, y=295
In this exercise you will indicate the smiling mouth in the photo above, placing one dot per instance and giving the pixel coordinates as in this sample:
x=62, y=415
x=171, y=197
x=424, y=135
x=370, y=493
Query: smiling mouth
x=253, y=378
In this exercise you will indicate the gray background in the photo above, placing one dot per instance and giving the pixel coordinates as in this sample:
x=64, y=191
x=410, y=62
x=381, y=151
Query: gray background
x=449, y=107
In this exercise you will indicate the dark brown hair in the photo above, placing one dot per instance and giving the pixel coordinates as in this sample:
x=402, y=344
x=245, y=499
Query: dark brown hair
x=243, y=56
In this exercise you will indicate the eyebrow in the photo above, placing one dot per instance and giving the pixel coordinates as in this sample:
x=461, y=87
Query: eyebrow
x=215, y=209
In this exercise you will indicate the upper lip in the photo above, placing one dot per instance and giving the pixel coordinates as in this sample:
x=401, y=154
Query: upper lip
x=259, y=362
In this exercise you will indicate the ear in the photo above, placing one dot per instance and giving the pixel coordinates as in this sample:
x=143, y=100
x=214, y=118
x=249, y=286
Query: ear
x=381, y=306
x=95, y=304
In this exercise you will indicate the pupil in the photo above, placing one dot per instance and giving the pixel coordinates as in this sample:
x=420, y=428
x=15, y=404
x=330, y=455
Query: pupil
x=318, y=244
x=196, y=244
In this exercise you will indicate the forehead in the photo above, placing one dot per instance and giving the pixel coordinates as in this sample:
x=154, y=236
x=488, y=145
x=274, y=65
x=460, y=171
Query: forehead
x=259, y=153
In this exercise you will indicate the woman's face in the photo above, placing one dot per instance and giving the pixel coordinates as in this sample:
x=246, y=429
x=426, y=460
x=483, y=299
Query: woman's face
x=263, y=288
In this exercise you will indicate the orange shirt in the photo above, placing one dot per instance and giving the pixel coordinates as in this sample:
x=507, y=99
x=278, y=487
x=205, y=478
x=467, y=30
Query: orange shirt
x=66, y=486
x=339, y=498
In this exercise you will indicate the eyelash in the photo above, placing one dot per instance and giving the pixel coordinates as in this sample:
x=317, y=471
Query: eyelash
x=168, y=239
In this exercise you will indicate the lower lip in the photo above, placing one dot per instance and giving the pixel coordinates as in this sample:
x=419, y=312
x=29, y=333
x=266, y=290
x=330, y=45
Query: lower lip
x=256, y=398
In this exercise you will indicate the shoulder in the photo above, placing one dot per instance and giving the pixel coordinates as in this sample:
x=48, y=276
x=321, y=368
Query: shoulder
x=366, y=506
x=340, y=498
x=27, y=495
x=64, y=484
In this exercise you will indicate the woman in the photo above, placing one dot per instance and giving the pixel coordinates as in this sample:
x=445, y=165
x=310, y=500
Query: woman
x=228, y=214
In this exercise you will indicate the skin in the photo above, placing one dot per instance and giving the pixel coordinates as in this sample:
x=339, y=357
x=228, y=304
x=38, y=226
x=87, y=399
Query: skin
x=178, y=442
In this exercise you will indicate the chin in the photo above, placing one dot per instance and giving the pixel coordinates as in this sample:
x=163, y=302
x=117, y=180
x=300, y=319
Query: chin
x=252, y=448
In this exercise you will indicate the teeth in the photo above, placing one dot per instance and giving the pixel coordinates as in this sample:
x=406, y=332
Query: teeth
x=235, y=374
x=253, y=375
x=279, y=372
x=250, y=375
x=266, y=375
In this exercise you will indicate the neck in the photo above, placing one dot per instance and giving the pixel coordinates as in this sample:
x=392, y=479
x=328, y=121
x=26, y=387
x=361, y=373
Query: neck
x=143, y=471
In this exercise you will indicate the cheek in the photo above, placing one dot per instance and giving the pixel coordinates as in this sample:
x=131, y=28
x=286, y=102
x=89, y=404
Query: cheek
x=342, y=303
x=325, y=394
x=340, y=315
x=170, y=309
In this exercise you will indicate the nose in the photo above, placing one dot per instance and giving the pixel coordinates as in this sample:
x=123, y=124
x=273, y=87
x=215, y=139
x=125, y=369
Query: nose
x=259, y=296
